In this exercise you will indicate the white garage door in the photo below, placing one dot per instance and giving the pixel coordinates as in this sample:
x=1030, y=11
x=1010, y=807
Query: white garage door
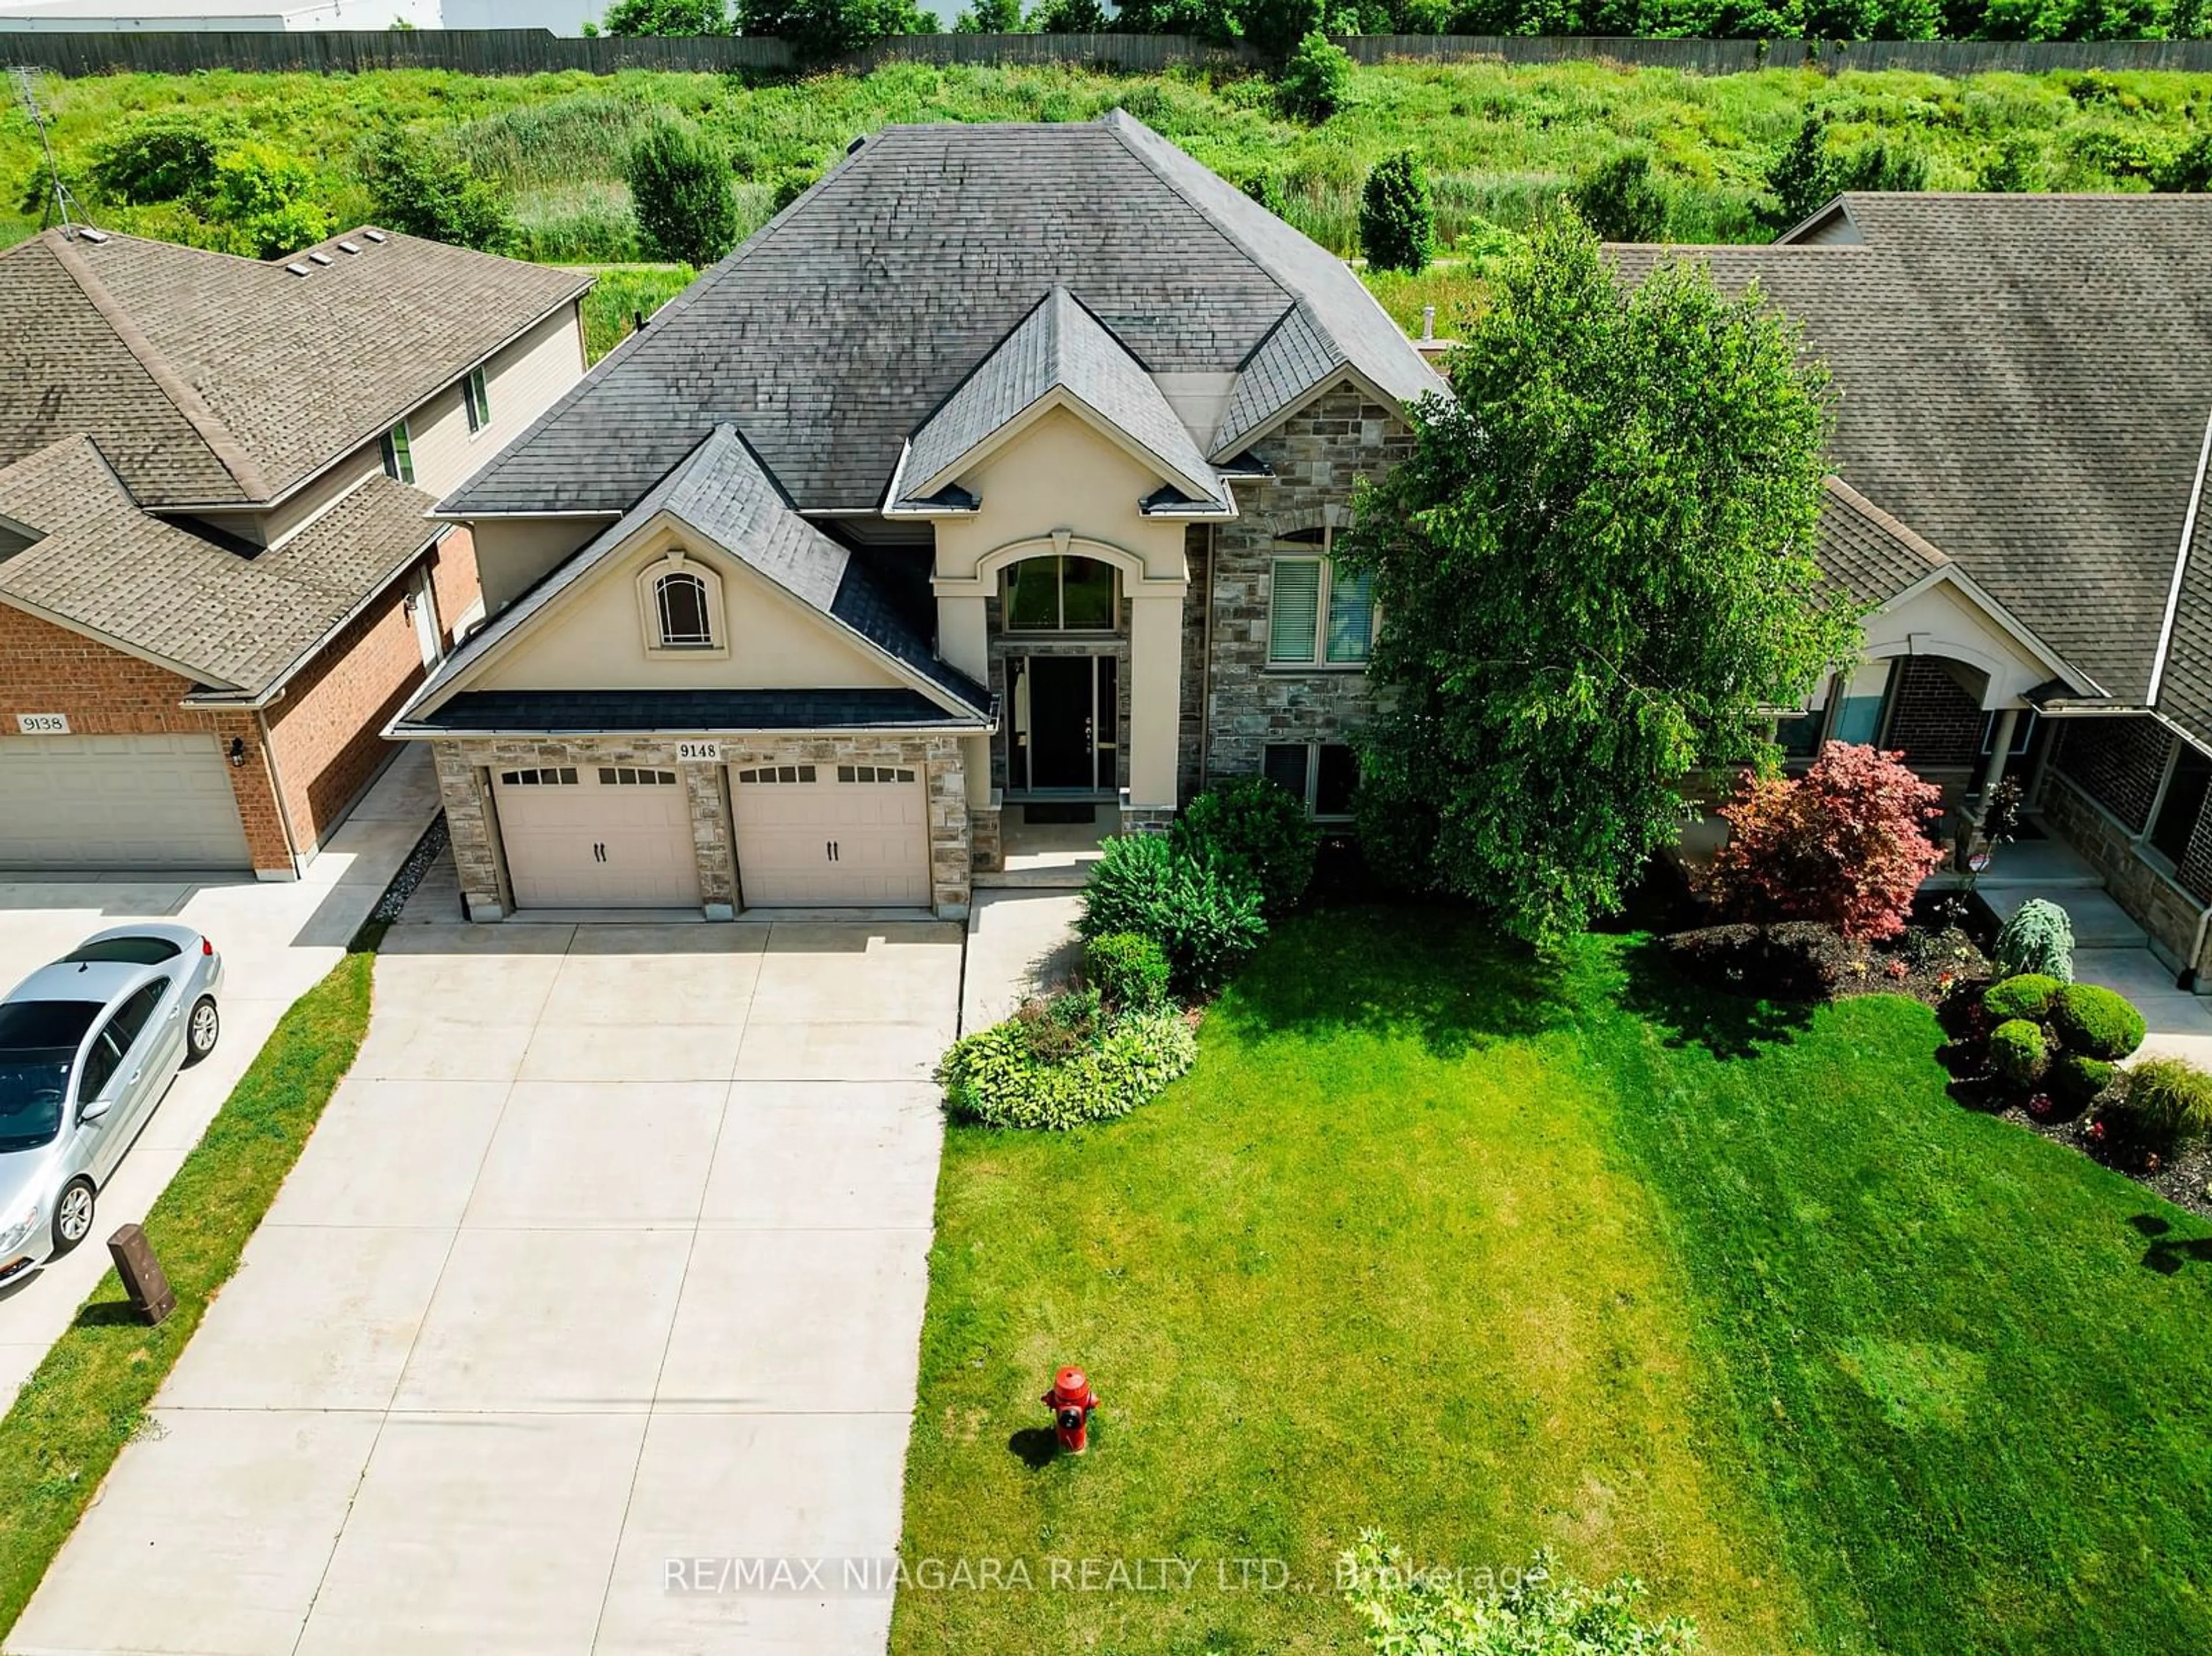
x=597, y=836
x=831, y=835
x=118, y=802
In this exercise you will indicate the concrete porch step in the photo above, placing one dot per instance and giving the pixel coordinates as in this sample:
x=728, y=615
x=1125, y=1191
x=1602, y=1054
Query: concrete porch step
x=2049, y=864
x=2098, y=922
x=1050, y=877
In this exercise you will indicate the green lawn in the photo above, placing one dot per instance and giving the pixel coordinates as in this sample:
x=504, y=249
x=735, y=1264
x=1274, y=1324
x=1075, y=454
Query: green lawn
x=87, y=1397
x=1498, y=1256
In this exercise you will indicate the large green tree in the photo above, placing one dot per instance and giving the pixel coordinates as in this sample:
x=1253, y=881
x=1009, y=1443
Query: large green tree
x=679, y=189
x=1594, y=573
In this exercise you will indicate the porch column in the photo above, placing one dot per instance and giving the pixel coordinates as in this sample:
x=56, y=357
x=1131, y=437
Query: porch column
x=1155, y=698
x=960, y=635
x=1993, y=772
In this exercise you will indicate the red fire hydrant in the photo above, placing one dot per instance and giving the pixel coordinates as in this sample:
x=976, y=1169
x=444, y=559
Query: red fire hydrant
x=1071, y=1401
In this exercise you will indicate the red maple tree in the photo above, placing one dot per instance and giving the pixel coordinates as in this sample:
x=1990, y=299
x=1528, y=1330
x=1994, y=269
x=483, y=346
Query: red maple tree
x=1844, y=844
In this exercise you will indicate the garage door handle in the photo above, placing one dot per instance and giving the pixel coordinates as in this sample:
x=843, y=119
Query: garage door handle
x=829, y=850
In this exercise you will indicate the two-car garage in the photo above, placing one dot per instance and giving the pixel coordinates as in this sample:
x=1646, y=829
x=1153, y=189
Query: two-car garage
x=807, y=835
x=109, y=801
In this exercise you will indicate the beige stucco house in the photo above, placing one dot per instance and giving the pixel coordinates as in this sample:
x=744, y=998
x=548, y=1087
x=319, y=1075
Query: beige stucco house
x=218, y=575
x=994, y=479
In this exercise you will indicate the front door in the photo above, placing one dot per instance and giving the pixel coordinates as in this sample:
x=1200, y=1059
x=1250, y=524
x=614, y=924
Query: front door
x=1067, y=719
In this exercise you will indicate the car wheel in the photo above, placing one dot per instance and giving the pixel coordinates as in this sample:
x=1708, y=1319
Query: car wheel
x=202, y=1031
x=73, y=1214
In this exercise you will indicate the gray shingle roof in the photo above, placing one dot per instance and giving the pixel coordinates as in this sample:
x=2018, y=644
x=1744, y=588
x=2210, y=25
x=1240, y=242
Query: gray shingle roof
x=557, y=712
x=232, y=622
x=212, y=379
x=2022, y=380
x=1058, y=347
x=1295, y=357
x=836, y=330
x=721, y=491
x=1867, y=552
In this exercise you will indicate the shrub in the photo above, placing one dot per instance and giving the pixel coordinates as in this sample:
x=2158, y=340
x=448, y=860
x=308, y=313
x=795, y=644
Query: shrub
x=2169, y=1100
x=1056, y=1029
x=1316, y=78
x=1842, y=844
x=1397, y=220
x=1258, y=831
x=995, y=1078
x=2026, y=996
x=2077, y=1078
x=2089, y=1019
x=679, y=187
x=2019, y=1050
x=1619, y=200
x=1266, y=188
x=166, y=157
x=422, y=188
x=1206, y=922
x=1541, y=1611
x=630, y=17
x=266, y=202
x=2037, y=939
x=1129, y=971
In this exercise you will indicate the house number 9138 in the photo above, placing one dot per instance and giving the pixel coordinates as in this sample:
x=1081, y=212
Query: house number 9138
x=42, y=723
x=699, y=753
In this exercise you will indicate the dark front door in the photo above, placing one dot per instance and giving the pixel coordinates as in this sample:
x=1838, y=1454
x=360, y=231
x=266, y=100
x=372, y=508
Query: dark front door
x=1063, y=731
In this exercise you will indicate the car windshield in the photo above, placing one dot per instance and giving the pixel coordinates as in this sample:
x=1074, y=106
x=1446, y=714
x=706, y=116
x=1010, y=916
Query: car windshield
x=123, y=951
x=31, y=1083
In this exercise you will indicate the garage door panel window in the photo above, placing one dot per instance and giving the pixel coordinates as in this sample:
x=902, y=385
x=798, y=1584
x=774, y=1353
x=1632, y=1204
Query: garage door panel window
x=623, y=776
x=554, y=776
x=787, y=774
x=872, y=774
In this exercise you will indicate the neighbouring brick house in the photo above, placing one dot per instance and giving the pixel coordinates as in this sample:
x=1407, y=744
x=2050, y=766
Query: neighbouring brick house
x=218, y=575
x=2024, y=420
x=995, y=480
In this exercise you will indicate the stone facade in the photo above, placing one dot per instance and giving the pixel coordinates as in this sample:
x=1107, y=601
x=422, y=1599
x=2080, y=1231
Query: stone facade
x=1317, y=456
x=464, y=767
x=1190, y=706
x=986, y=842
x=2156, y=901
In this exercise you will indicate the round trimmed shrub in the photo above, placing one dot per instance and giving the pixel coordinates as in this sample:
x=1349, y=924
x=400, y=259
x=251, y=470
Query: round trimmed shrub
x=2089, y=1019
x=1131, y=972
x=2037, y=938
x=2019, y=1050
x=2028, y=996
x=2169, y=1100
x=995, y=1079
x=1258, y=830
x=1205, y=921
x=2077, y=1078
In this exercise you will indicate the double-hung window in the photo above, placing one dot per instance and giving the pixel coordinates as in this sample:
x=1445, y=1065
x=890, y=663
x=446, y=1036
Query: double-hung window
x=477, y=396
x=398, y=454
x=1323, y=774
x=1319, y=616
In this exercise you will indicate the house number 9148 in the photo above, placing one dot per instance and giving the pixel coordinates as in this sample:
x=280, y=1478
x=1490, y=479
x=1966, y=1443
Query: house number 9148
x=699, y=753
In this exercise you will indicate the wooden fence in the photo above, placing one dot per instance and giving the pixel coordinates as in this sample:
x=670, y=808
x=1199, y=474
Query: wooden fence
x=529, y=51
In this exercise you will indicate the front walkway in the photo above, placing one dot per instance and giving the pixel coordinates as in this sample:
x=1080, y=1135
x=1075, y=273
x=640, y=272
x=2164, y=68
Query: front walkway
x=277, y=939
x=610, y=1253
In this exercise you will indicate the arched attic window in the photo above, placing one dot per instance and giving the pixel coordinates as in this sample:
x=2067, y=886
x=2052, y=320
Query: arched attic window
x=682, y=600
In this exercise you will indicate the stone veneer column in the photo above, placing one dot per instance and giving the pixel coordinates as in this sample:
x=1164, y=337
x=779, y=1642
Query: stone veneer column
x=1155, y=700
x=468, y=827
x=711, y=842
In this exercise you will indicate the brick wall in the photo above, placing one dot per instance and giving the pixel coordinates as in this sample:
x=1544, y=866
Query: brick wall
x=1316, y=456
x=1932, y=719
x=453, y=573
x=2118, y=762
x=327, y=728
x=104, y=691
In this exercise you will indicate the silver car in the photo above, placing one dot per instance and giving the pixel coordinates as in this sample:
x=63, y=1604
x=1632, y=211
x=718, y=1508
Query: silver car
x=88, y=1046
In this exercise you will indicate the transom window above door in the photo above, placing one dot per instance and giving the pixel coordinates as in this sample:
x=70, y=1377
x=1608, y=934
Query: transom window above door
x=1059, y=594
x=1319, y=616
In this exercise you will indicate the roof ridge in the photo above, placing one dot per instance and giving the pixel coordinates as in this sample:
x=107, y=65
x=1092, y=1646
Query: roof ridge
x=1120, y=128
x=188, y=403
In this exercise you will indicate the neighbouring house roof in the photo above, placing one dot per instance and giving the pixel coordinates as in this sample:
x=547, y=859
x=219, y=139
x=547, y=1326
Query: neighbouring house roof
x=833, y=334
x=722, y=492
x=1059, y=350
x=94, y=560
x=210, y=379
x=2022, y=380
x=582, y=712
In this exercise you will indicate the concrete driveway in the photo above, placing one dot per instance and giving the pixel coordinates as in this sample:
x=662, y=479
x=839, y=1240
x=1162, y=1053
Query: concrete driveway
x=277, y=940
x=610, y=1251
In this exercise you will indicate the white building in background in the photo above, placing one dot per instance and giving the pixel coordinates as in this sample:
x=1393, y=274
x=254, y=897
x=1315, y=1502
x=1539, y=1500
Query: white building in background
x=218, y=16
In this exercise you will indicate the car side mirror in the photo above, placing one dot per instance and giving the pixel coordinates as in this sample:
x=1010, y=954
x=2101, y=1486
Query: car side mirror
x=95, y=1110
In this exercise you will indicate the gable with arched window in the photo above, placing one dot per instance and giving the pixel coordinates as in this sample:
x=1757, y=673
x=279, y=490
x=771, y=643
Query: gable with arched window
x=681, y=599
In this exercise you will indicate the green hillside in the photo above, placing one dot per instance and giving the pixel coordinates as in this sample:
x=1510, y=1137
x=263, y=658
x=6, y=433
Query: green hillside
x=1501, y=142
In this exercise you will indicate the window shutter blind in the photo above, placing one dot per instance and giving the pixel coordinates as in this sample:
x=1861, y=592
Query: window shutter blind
x=1296, y=612
x=1351, y=617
